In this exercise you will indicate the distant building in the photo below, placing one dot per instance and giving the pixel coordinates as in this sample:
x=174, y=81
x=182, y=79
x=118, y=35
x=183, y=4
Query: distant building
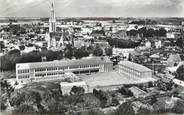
x=148, y=44
x=123, y=52
x=158, y=44
x=81, y=43
x=134, y=70
x=52, y=70
x=41, y=43
x=173, y=35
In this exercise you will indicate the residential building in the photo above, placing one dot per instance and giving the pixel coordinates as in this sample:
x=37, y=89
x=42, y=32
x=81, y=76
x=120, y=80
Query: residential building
x=124, y=52
x=158, y=44
x=134, y=70
x=52, y=70
x=137, y=92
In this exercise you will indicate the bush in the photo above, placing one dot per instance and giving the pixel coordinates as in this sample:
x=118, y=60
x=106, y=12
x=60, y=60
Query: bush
x=77, y=90
x=125, y=91
x=25, y=109
x=3, y=107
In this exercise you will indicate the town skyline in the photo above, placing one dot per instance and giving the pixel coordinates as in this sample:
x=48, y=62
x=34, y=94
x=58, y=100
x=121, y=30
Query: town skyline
x=87, y=8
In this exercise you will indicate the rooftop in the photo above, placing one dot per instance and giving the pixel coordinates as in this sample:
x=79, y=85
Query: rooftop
x=135, y=66
x=113, y=78
x=93, y=60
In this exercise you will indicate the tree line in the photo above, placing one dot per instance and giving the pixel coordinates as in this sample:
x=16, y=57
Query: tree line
x=148, y=32
x=9, y=60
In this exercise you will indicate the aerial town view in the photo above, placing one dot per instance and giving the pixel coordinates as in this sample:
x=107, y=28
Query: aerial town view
x=92, y=57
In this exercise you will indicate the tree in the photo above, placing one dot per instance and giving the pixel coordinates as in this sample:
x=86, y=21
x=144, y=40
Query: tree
x=22, y=47
x=25, y=108
x=6, y=87
x=143, y=31
x=180, y=72
x=68, y=52
x=104, y=97
x=2, y=46
x=124, y=109
x=180, y=43
x=14, y=52
x=108, y=51
x=132, y=32
x=54, y=55
x=81, y=52
x=153, y=100
x=150, y=32
x=125, y=91
x=162, y=32
x=98, y=51
x=77, y=90
x=33, y=56
x=3, y=106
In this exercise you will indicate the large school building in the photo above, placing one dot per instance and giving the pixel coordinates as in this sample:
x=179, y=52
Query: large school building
x=52, y=70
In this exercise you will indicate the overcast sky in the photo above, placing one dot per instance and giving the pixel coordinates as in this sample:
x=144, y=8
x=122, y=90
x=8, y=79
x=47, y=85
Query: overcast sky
x=95, y=8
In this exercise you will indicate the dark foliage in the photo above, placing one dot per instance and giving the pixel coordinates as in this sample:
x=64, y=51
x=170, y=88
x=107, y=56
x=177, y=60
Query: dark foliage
x=77, y=90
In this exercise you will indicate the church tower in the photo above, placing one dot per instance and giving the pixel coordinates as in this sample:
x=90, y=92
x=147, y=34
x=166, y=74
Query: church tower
x=54, y=38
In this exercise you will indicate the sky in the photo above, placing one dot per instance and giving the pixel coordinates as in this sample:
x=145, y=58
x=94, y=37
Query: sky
x=93, y=8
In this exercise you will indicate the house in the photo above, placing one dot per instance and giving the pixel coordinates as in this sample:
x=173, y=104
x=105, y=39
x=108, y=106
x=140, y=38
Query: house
x=137, y=92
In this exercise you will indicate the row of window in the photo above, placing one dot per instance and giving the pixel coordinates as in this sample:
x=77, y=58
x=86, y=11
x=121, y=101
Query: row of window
x=48, y=74
x=130, y=71
x=40, y=75
x=40, y=69
x=63, y=68
x=23, y=77
x=23, y=71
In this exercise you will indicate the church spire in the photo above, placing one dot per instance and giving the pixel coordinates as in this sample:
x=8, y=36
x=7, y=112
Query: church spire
x=52, y=20
x=52, y=11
